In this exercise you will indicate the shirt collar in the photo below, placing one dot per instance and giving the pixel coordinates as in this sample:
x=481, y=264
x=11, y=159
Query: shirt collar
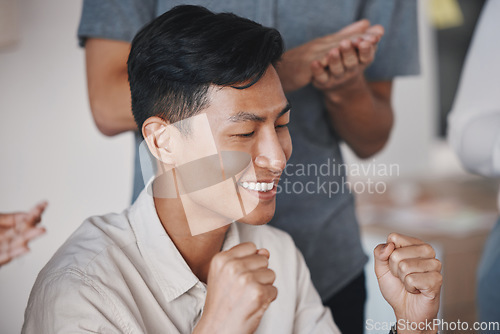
x=166, y=264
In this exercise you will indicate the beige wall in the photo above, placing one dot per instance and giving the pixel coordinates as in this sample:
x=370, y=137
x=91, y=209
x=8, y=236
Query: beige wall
x=49, y=146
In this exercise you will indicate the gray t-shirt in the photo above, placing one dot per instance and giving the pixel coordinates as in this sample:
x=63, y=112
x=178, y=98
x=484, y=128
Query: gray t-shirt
x=322, y=224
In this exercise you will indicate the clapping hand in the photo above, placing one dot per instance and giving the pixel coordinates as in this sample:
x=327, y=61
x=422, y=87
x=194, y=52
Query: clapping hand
x=17, y=229
x=331, y=61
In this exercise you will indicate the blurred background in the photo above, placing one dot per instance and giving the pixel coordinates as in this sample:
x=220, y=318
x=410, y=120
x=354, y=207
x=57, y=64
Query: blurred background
x=50, y=149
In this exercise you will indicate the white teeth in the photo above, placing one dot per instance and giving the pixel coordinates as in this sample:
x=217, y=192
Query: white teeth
x=258, y=186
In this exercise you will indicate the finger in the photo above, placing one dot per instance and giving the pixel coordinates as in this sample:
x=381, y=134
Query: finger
x=320, y=75
x=349, y=55
x=266, y=295
x=356, y=27
x=410, y=252
x=264, y=252
x=401, y=240
x=7, y=220
x=270, y=293
x=35, y=213
x=369, y=38
x=264, y=276
x=376, y=30
x=381, y=255
x=241, y=250
x=428, y=284
x=335, y=65
x=8, y=234
x=411, y=266
x=250, y=262
x=26, y=236
x=366, y=53
x=34, y=216
x=356, y=40
x=323, y=62
x=33, y=233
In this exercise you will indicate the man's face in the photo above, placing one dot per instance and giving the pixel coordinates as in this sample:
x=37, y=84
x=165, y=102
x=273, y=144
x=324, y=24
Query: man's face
x=251, y=122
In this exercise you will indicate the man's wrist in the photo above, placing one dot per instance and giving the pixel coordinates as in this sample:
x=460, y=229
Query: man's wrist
x=347, y=90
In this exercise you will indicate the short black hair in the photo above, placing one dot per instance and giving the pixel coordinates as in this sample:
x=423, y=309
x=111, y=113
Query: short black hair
x=177, y=57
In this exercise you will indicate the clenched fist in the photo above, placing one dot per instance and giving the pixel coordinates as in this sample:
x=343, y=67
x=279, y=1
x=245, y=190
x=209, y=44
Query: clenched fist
x=240, y=289
x=409, y=276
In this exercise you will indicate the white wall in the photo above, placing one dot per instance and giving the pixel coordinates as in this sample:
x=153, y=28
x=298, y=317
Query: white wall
x=49, y=146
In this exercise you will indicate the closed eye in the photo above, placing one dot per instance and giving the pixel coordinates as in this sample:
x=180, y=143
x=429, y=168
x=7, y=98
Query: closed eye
x=282, y=125
x=245, y=135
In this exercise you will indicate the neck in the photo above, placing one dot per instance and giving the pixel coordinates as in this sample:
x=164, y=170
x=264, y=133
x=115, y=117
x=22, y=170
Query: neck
x=197, y=250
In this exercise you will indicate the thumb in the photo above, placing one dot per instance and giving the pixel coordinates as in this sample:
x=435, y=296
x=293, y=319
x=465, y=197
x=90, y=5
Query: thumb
x=381, y=255
x=356, y=27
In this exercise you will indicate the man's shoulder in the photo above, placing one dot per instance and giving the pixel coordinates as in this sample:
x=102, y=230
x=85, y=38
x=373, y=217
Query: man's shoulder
x=94, y=243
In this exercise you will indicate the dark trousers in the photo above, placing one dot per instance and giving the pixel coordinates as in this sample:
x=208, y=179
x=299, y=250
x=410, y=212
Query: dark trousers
x=348, y=306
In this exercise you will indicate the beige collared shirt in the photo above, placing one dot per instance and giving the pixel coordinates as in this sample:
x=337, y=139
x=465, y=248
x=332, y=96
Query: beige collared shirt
x=121, y=273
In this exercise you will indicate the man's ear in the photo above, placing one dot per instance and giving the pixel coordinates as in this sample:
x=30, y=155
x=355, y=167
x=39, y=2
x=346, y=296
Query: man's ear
x=159, y=137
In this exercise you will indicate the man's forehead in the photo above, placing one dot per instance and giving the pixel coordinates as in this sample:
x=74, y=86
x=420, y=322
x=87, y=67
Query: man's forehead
x=259, y=115
x=262, y=100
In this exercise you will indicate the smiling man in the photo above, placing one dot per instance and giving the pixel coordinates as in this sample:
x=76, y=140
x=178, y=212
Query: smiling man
x=213, y=114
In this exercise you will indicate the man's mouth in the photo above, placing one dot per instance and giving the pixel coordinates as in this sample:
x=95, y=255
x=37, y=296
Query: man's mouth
x=257, y=186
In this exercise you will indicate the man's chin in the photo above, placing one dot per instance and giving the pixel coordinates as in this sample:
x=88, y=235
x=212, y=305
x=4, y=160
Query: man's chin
x=258, y=217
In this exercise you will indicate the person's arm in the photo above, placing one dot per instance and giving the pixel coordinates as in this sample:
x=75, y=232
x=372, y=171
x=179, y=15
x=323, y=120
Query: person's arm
x=360, y=112
x=108, y=87
x=106, y=30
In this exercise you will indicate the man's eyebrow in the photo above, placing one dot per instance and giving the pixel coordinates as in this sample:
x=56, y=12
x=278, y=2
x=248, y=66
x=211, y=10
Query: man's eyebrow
x=244, y=116
x=285, y=110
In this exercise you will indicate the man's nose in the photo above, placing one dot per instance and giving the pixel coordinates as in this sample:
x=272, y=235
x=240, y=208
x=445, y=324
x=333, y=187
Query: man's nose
x=270, y=154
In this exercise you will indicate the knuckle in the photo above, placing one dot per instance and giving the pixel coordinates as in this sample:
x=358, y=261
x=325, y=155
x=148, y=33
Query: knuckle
x=233, y=267
x=395, y=257
x=393, y=237
x=257, y=293
x=403, y=266
x=250, y=246
x=245, y=279
x=410, y=280
x=218, y=260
